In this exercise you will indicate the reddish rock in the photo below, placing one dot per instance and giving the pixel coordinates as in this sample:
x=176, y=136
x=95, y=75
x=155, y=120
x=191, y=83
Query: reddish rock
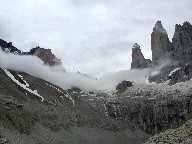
x=47, y=56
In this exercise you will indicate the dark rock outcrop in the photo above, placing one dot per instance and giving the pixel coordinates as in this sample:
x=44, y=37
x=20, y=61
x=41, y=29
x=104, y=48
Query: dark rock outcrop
x=122, y=87
x=175, y=74
x=8, y=47
x=160, y=44
x=138, y=60
x=163, y=74
x=181, y=75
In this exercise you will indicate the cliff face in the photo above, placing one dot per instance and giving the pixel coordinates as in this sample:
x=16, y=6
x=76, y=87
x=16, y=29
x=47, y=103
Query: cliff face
x=152, y=115
x=160, y=44
x=182, y=42
x=152, y=108
x=138, y=60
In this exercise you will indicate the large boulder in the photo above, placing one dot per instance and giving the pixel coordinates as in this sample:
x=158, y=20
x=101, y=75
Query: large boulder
x=122, y=87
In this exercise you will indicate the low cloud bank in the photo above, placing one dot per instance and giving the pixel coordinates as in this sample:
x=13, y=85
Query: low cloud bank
x=35, y=67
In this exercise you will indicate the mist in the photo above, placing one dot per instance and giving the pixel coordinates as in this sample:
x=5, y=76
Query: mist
x=35, y=67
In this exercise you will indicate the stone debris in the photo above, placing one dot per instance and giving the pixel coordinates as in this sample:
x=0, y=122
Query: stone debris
x=181, y=135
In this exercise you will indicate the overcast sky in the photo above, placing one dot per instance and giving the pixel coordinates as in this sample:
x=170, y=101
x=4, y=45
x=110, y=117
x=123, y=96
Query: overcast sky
x=90, y=36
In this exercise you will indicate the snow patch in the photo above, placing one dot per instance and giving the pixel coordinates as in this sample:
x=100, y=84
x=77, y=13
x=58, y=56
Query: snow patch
x=26, y=87
x=69, y=97
x=170, y=74
x=55, y=88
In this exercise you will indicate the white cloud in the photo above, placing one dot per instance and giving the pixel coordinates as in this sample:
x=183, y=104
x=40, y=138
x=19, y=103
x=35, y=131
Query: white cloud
x=87, y=34
x=35, y=67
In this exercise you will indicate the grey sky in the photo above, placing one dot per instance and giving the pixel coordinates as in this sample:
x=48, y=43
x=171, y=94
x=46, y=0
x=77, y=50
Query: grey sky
x=91, y=36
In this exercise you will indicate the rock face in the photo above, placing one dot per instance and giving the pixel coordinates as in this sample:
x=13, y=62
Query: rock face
x=138, y=60
x=182, y=42
x=46, y=55
x=152, y=116
x=160, y=44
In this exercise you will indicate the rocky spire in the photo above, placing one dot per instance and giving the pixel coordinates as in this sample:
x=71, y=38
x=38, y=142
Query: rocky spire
x=136, y=53
x=182, y=42
x=159, y=28
x=160, y=44
x=138, y=60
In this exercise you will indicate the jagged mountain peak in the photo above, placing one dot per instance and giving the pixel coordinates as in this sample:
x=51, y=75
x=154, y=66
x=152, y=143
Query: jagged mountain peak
x=158, y=24
x=160, y=43
x=186, y=24
x=159, y=28
x=136, y=45
x=138, y=60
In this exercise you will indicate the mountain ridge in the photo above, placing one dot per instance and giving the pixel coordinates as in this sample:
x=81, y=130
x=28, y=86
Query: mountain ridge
x=44, y=54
